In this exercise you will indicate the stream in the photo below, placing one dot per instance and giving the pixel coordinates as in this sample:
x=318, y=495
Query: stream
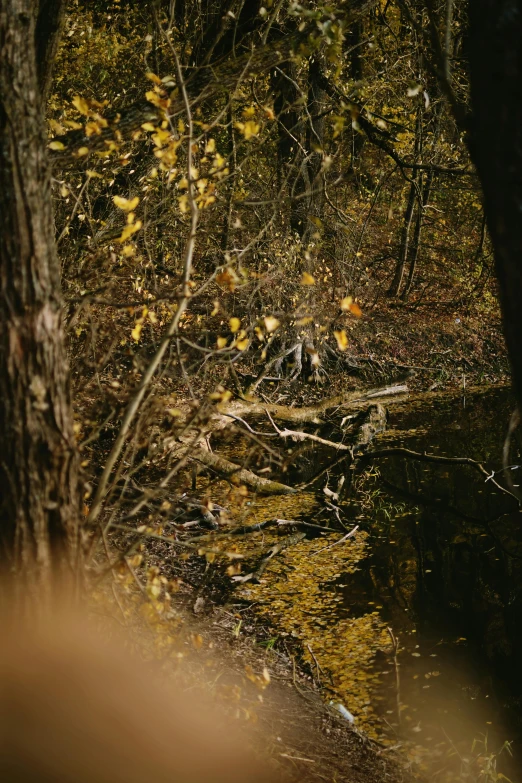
x=434, y=578
x=445, y=570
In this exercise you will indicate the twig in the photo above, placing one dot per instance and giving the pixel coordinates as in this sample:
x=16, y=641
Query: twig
x=256, y=575
x=319, y=669
x=298, y=435
x=395, y=644
x=341, y=541
x=424, y=457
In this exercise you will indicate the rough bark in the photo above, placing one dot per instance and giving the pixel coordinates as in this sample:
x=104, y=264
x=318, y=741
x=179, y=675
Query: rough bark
x=39, y=495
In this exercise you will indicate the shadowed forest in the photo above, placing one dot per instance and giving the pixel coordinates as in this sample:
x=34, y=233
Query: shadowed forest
x=260, y=269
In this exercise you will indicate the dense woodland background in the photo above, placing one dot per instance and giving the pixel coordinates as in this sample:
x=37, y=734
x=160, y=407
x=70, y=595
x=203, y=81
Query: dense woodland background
x=246, y=200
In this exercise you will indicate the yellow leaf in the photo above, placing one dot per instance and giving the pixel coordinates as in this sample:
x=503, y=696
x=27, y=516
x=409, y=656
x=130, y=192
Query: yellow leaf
x=271, y=323
x=250, y=129
x=210, y=146
x=235, y=323
x=80, y=104
x=148, y=126
x=221, y=342
x=228, y=278
x=307, y=279
x=349, y=306
x=215, y=311
x=152, y=77
x=56, y=145
x=128, y=250
x=92, y=128
x=82, y=151
x=91, y=174
x=129, y=231
x=183, y=204
x=153, y=97
x=242, y=345
x=125, y=203
x=136, y=332
x=57, y=128
x=342, y=340
x=160, y=138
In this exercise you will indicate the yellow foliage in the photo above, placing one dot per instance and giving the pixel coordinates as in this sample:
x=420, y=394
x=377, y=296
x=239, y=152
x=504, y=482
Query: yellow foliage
x=126, y=204
x=342, y=340
x=81, y=104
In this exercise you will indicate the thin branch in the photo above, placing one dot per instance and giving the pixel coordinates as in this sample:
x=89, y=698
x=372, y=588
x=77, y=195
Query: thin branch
x=441, y=460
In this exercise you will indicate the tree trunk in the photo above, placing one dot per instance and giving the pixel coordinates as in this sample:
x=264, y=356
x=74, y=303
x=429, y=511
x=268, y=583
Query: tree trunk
x=415, y=246
x=496, y=147
x=39, y=492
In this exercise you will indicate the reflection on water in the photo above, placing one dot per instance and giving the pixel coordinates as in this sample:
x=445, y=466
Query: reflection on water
x=445, y=572
x=415, y=625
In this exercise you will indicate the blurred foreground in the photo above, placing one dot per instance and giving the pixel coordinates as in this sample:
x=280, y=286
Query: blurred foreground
x=75, y=707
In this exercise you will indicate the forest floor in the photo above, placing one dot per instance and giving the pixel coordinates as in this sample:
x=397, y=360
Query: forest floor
x=442, y=349
x=228, y=654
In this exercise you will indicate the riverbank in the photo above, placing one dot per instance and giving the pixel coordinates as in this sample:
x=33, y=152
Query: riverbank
x=277, y=635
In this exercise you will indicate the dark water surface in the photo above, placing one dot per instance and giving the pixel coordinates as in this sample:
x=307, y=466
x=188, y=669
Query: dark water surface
x=444, y=571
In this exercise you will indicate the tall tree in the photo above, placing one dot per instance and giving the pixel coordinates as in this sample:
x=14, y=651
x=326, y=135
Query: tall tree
x=39, y=493
x=495, y=139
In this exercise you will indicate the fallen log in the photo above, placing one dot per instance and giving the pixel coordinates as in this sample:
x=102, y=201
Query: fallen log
x=230, y=469
x=354, y=400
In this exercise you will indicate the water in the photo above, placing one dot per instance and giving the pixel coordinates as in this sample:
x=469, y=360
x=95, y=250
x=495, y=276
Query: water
x=416, y=623
x=444, y=571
